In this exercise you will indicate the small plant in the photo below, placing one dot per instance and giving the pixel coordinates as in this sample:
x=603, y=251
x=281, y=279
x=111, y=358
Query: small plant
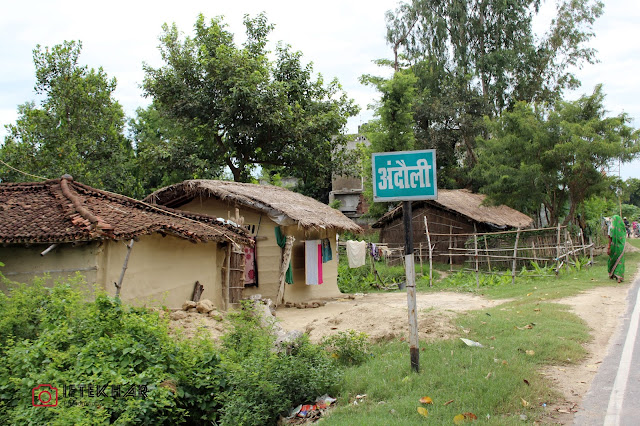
x=348, y=347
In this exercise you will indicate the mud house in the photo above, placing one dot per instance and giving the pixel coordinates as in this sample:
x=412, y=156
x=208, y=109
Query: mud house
x=60, y=227
x=272, y=214
x=457, y=211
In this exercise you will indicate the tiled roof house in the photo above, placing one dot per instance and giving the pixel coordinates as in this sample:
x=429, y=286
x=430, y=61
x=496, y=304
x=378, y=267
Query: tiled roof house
x=60, y=227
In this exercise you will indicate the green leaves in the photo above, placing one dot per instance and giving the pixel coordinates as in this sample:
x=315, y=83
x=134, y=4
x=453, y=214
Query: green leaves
x=251, y=111
x=77, y=128
x=552, y=157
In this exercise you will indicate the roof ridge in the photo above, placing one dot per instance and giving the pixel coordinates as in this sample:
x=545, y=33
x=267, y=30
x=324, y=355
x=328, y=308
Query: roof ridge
x=79, y=207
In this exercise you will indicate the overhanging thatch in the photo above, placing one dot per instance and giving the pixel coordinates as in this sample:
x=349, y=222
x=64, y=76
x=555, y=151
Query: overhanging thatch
x=468, y=204
x=281, y=205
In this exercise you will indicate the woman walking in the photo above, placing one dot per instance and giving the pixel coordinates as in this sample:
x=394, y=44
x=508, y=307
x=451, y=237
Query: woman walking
x=617, y=239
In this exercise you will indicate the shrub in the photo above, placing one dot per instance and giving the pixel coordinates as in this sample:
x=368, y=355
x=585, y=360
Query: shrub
x=263, y=382
x=53, y=336
x=348, y=347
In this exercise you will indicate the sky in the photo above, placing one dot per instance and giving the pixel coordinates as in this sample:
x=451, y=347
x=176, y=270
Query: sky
x=340, y=37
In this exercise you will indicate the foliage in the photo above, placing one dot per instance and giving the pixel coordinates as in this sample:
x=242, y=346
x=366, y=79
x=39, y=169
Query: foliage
x=631, y=191
x=477, y=58
x=552, y=158
x=393, y=130
x=52, y=336
x=363, y=279
x=245, y=110
x=631, y=212
x=264, y=382
x=77, y=129
x=348, y=347
x=167, y=152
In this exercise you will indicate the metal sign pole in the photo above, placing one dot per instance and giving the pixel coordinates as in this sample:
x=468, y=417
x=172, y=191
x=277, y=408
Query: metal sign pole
x=406, y=176
x=410, y=271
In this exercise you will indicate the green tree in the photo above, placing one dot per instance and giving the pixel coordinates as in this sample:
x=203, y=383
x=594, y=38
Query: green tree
x=393, y=129
x=479, y=57
x=553, y=158
x=167, y=152
x=631, y=191
x=245, y=110
x=77, y=129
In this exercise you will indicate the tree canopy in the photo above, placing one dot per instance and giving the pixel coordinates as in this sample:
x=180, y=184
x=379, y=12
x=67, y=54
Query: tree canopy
x=552, y=158
x=479, y=57
x=244, y=110
x=76, y=129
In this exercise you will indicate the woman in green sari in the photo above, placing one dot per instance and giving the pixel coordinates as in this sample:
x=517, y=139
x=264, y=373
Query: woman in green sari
x=617, y=238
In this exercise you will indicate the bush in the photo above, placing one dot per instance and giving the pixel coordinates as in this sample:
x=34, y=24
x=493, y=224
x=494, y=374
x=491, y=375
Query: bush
x=53, y=336
x=265, y=382
x=348, y=347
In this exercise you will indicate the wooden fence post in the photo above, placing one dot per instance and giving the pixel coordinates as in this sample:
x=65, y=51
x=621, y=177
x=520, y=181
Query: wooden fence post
x=450, y=243
x=475, y=246
x=486, y=251
x=124, y=268
x=558, y=251
x=515, y=260
x=426, y=229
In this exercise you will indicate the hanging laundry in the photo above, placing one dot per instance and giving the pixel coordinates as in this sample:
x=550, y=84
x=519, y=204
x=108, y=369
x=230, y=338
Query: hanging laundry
x=356, y=253
x=375, y=252
x=327, y=255
x=250, y=266
x=313, y=261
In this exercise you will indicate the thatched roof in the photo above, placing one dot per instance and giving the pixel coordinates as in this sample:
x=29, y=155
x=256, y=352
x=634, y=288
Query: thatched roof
x=468, y=204
x=63, y=210
x=281, y=205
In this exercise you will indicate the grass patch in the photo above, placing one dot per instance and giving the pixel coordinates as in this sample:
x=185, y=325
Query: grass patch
x=499, y=383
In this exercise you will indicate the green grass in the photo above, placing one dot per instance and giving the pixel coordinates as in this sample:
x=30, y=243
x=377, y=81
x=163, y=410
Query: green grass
x=520, y=337
x=634, y=242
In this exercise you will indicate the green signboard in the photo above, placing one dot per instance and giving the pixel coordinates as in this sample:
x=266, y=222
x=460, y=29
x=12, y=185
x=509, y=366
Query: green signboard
x=404, y=175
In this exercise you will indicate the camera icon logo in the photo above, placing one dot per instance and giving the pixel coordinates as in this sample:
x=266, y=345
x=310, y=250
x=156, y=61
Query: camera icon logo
x=44, y=396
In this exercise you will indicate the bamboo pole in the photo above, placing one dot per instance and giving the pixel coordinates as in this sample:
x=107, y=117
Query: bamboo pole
x=558, y=250
x=575, y=255
x=450, y=258
x=590, y=251
x=498, y=233
x=426, y=229
x=584, y=249
x=486, y=250
x=515, y=260
x=475, y=247
x=421, y=268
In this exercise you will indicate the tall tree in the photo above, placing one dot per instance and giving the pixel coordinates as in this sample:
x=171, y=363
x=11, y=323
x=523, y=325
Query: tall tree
x=393, y=128
x=249, y=110
x=553, y=158
x=479, y=57
x=77, y=129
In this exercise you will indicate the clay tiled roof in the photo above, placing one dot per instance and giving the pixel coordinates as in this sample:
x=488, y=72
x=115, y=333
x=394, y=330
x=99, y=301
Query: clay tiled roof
x=468, y=204
x=61, y=210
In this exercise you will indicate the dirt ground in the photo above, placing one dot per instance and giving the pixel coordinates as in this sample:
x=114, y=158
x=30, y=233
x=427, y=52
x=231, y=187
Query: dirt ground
x=384, y=316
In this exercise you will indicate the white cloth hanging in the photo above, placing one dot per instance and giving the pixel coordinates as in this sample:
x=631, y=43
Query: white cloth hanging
x=313, y=261
x=356, y=253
